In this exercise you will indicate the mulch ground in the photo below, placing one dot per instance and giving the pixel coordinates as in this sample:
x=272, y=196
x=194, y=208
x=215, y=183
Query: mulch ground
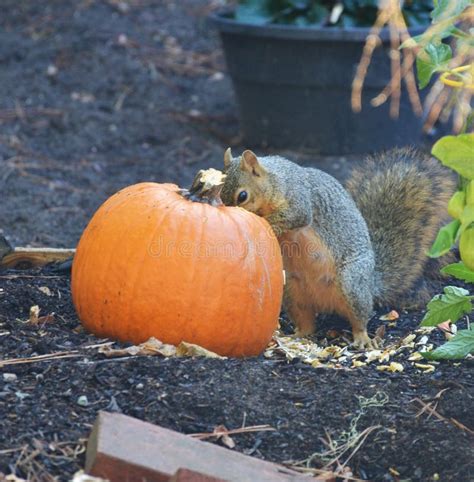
x=48, y=407
x=97, y=95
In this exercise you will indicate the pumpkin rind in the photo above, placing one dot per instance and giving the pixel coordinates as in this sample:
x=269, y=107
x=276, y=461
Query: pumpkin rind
x=151, y=263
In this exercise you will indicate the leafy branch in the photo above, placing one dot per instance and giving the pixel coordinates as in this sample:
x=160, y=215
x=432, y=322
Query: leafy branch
x=452, y=305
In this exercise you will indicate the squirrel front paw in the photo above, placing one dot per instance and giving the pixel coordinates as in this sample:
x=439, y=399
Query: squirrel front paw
x=362, y=341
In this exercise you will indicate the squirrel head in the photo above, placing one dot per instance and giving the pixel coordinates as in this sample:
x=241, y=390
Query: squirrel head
x=247, y=183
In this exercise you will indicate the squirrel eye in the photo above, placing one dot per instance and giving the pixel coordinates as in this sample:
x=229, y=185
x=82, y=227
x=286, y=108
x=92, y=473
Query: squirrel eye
x=242, y=197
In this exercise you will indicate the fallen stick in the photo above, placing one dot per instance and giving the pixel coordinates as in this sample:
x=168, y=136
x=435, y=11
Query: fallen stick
x=38, y=358
x=219, y=433
x=25, y=258
x=427, y=407
x=20, y=112
x=51, y=356
x=10, y=451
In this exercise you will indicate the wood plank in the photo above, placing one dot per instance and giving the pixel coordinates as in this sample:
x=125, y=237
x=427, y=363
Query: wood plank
x=122, y=448
x=186, y=475
x=25, y=258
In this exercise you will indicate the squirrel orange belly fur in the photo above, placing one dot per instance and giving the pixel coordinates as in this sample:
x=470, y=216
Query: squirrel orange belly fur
x=311, y=282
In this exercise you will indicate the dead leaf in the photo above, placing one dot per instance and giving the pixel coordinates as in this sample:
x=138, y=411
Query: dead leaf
x=46, y=319
x=380, y=332
x=34, y=314
x=448, y=328
x=423, y=340
x=148, y=348
x=445, y=326
x=14, y=478
x=425, y=367
x=372, y=355
x=407, y=342
x=190, y=349
x=393, y=367
x=45, y=290
x=393, y=315
x=416, y=356
x=221, y=433
x=82, y=477
x=423, y=330
x=154, y=346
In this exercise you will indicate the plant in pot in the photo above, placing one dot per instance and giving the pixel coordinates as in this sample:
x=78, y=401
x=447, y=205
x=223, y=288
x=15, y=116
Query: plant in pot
x=293, y=63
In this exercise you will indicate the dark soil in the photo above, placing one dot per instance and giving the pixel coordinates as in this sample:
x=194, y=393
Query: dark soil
x=138, y=96
x=42, y=412
x=96, y=95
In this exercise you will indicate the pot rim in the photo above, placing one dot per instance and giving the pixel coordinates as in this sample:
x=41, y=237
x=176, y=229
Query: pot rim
x=221, y=21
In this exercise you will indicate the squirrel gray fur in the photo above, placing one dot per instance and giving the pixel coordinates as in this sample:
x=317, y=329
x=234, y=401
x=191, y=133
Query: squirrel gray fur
x=367, y=244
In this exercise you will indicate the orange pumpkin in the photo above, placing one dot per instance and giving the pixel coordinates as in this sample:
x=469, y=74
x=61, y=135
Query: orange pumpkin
x=153, y=263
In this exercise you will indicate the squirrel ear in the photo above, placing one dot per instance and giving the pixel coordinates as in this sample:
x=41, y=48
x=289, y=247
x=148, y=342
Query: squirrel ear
x=227, y=158
x=249, y=163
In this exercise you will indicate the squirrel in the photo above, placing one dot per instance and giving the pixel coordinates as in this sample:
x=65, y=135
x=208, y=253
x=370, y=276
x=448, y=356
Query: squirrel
x=356, y=247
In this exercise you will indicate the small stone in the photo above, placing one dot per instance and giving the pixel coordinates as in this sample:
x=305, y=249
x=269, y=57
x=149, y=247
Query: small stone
x=21, y=395
x=52, y=70
x=9, y=377
x=83, y=401
x=122, y=40
x=123, y=7
x=139, y=386
x=113, y=406
x=216, y=77
x=45, y=290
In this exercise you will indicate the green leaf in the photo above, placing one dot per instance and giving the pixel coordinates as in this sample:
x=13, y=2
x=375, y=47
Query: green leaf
x=459, y=271
x=467, y=218
x=445, y=239
x=429, y=37
x=317, y=14
x=457, y=152
x=433, y=58
x=451, y=305
x=461, y=345
x=448, y=8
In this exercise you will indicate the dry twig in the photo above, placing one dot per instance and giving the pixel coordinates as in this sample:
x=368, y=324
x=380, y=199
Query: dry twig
x=220, y=431
x=21, y=113
x=50, y=356
x=429, y=408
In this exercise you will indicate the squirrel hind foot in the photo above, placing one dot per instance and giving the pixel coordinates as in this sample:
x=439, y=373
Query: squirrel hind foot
x=362, y=341
x=304, y=332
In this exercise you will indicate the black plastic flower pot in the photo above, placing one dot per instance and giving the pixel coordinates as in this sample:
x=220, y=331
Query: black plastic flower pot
x=293, y=88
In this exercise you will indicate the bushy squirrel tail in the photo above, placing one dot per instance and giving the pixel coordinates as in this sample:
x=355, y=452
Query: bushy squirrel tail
x=403, y=195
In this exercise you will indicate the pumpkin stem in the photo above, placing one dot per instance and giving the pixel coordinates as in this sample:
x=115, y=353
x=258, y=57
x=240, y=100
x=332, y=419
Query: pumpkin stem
x=206, y=187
